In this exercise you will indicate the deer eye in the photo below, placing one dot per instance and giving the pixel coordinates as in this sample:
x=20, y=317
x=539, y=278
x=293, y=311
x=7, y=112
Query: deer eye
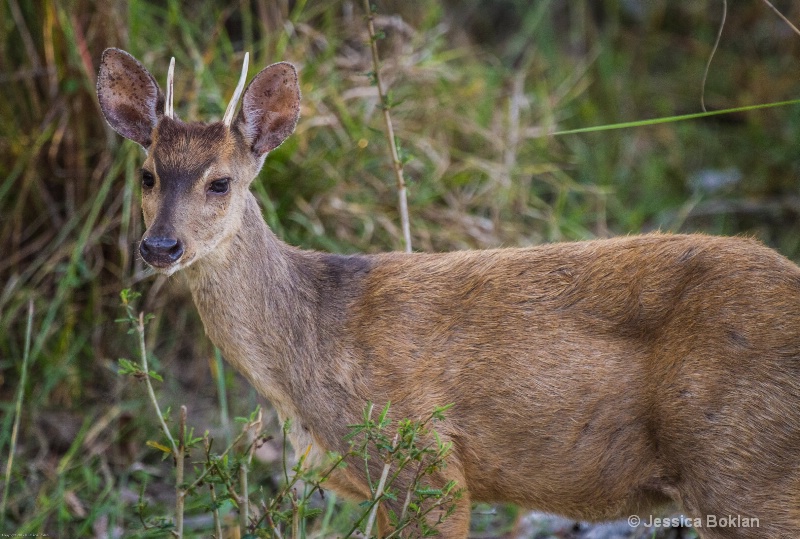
x=148, y=180
x=220, y=186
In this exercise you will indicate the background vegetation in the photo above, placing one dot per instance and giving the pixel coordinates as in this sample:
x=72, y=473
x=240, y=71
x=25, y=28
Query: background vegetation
x=479, y=87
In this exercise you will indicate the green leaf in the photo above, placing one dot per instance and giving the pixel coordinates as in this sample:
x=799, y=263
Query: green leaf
x=128, y=367
x=382, y=423
x=160, y=447
x=428, y=492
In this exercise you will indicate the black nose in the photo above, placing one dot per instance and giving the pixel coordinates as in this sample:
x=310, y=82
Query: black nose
x=161, y=252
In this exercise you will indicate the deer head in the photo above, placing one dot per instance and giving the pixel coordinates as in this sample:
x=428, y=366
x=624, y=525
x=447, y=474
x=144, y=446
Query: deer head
x=196, y=177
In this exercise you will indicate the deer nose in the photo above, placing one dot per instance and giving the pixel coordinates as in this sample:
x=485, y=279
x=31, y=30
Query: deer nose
x=161, y=252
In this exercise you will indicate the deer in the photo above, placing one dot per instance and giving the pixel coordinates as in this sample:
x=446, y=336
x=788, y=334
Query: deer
x=595, y=379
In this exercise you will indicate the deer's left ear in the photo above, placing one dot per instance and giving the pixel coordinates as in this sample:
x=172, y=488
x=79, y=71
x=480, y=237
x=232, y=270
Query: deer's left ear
x=270, y=108
x=129, y=96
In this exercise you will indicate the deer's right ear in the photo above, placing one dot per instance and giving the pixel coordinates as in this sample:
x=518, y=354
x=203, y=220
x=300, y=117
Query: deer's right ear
x=129, y=96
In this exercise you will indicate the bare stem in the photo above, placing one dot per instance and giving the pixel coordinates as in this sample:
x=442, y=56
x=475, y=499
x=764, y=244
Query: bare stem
x=275, y=529
x=215, y=510
x=782, y=16
x=379, y=491
x=295, y=519
x=397, y=165
x=711, y=56
x=177, y=452
x=150, y=392
x=180, y=493
x=409, y=492
x=244, y=510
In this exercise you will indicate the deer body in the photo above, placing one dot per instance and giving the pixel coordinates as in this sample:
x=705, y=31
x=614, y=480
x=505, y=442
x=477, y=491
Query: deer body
x=596, y=379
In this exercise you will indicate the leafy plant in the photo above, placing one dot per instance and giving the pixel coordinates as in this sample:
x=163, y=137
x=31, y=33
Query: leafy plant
x=414, y=444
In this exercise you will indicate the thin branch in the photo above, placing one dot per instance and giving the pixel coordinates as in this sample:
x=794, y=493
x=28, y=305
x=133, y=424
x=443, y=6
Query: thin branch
x=379, y=491
x=215, y=509
x=177, y=450
x=208, y=469
x=436, y=504
x=713, y=52
x=272, y=525
x=782, y=16
x=397, y=164
x=150, y=392
x=244, y=509
x=180, y=492
x=410, y=492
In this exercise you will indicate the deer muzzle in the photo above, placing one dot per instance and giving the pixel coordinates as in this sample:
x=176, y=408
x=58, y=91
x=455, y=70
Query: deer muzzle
x=161, y=252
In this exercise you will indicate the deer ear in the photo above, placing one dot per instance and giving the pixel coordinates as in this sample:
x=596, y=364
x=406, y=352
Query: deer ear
x=129, y=96
x=270, y=108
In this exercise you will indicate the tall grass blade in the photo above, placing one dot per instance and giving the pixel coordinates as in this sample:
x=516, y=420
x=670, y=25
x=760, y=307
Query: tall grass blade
x=670, y=119
x=17, y=413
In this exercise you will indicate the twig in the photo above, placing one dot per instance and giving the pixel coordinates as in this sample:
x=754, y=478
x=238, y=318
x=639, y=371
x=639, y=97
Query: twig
x=409, y=493
x=177, y=452
x=17, y=411
x=215, y=509
x=284, y=449
x=150, y=392
x=295, y=517
x=272, y=525
x=719, y=34
x=713, y=52
x=180, y=492
x=397, y=165
x=229, y=486
x=436, y=503
x=244, y=508
x=782, y=16
x=208, y=469
x=379, y=491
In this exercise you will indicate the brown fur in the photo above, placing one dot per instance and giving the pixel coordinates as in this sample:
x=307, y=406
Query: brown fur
x=595, y=380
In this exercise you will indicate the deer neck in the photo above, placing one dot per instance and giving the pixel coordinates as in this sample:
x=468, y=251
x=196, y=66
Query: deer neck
x=258, y=301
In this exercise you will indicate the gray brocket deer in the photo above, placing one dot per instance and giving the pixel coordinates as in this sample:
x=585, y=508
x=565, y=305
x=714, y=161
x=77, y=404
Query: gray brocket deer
x=595, y=380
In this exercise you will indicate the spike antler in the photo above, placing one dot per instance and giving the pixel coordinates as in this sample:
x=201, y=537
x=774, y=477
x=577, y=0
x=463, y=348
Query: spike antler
x=228, y=118
x=169, y=112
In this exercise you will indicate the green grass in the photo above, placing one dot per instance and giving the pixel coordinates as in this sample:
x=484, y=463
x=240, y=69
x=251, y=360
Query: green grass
x=472, y=107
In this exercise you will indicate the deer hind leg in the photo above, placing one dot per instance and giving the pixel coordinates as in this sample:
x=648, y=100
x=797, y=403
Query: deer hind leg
x=778, y=517
x=759, y=507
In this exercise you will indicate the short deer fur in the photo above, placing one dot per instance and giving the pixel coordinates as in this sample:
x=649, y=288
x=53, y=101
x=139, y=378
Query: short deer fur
x=594, y=380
